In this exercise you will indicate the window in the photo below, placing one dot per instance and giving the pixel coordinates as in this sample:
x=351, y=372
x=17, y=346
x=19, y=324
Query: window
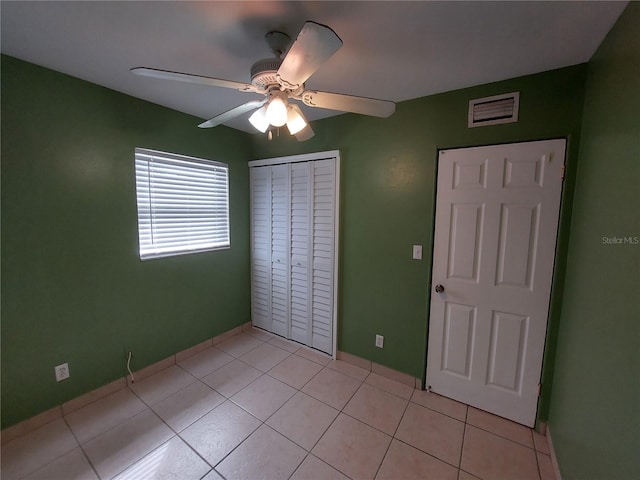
x=183, y=204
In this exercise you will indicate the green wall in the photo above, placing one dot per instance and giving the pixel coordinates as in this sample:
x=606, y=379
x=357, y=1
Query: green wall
x=595, y=406
x=75, y=291
x=73, y=287
x=387, y=204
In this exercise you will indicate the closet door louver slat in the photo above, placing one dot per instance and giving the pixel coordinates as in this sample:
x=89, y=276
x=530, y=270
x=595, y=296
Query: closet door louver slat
x=300, y=204
x=261, y=247
x=323, y=254
x=280, y=249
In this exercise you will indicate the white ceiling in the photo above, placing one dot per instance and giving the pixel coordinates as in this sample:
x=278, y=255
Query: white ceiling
x=392, y=50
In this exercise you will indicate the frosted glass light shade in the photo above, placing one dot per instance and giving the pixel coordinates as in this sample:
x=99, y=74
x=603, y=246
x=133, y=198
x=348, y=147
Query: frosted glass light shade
x=295, y=120
x=259, y=119
x=277, y=112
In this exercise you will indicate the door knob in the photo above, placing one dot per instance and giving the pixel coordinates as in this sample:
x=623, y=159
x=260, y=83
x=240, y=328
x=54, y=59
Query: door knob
x=439, y=289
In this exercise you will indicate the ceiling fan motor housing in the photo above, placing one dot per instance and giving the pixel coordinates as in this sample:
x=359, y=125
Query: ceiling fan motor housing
x=263, y=73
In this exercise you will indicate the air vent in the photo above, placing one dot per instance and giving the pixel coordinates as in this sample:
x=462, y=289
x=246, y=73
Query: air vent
x=494, y=110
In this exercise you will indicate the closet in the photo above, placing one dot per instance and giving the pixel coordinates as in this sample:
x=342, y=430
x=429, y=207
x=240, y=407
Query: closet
x=294, y=247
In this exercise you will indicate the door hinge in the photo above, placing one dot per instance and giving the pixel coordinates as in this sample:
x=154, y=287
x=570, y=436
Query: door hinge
x=539, y=388
x=562, y=172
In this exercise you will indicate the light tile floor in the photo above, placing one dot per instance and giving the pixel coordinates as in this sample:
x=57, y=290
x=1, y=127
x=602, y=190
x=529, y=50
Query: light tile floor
x=260, y=407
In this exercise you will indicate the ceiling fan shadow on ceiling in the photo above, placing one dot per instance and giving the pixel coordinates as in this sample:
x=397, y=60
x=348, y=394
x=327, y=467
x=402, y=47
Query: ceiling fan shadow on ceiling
x=281, y=80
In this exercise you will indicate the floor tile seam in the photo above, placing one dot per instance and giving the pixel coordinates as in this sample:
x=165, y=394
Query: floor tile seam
x=40, y=467
x=93, y=402
x=501, y=436
x=347, y=374
x=326, y=463
x=464, y=434
x=371, y=426
x=289, y=352
x=364, y=382
x=213, y=466
x=317, y=363
x=438, y=411
x=307, y=452
x=177, y=432
x=208, y=372
x=426, y=453
x=323, y=432
x=380, y=388
x=243, y=353
x=312, y=377
x=401, y=417
x=298, y=467
x=247, y=411
x=318, y=441
x=140, y=458
x=351, y=397
x=112, y=427
x=193, y=450
x=299, y=464
x=386, y=452
x=237, y=446
x=161, y=399
x=469, y=473
x=246, y=363
x=375, y=428
x=535, y=454
x=173, y=435
x=249, y=365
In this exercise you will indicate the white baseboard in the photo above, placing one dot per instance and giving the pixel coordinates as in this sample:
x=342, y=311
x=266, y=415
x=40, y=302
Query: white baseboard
x=554, y=459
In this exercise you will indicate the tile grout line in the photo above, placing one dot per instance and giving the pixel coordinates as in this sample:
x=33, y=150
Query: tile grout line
x=393, y=436
x=264, y=422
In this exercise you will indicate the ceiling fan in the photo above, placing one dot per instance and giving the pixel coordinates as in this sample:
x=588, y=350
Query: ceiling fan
x=281, y=80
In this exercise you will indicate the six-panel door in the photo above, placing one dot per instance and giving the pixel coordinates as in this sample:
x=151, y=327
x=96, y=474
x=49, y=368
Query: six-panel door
x=495, y=234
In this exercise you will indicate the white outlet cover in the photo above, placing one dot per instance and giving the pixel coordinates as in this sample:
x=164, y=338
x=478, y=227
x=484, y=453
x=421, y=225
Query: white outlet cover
x=417, y=252
x=62, y=372
x=379, y=341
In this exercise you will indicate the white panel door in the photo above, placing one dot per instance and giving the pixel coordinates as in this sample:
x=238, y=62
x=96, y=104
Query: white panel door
x=495, y=235
x=324, y=196
x=301, y=245
x=280, y=248
x=260, y=179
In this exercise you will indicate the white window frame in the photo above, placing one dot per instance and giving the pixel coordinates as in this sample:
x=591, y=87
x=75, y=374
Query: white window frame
x=183, y=204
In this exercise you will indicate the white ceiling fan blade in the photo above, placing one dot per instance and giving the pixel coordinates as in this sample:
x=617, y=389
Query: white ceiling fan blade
x=314, y=45
x=186, y=77
x=348, y=103
x=233, y=113
x=305, y=134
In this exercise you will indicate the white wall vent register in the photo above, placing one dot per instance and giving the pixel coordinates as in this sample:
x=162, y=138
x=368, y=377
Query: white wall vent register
x=494, y=110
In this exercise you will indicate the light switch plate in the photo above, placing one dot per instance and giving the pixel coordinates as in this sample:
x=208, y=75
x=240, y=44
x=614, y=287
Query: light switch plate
x=417, y=252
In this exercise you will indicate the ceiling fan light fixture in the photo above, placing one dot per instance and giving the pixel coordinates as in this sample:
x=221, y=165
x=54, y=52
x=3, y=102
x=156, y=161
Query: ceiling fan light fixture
x=259, y=119
x=277, y=112
x=295, y=120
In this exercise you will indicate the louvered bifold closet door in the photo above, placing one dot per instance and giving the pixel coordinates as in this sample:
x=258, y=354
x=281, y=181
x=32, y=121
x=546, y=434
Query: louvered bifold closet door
x=300, y=247
x=323, y=224
x=280, y=249
x=261, y=247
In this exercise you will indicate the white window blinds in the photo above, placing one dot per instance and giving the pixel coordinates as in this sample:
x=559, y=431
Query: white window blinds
x=183, y=204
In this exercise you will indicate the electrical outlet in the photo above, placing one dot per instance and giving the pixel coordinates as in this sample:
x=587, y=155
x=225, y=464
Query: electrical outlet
x=379, y=341
x=417, y=252
x=62, y=372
